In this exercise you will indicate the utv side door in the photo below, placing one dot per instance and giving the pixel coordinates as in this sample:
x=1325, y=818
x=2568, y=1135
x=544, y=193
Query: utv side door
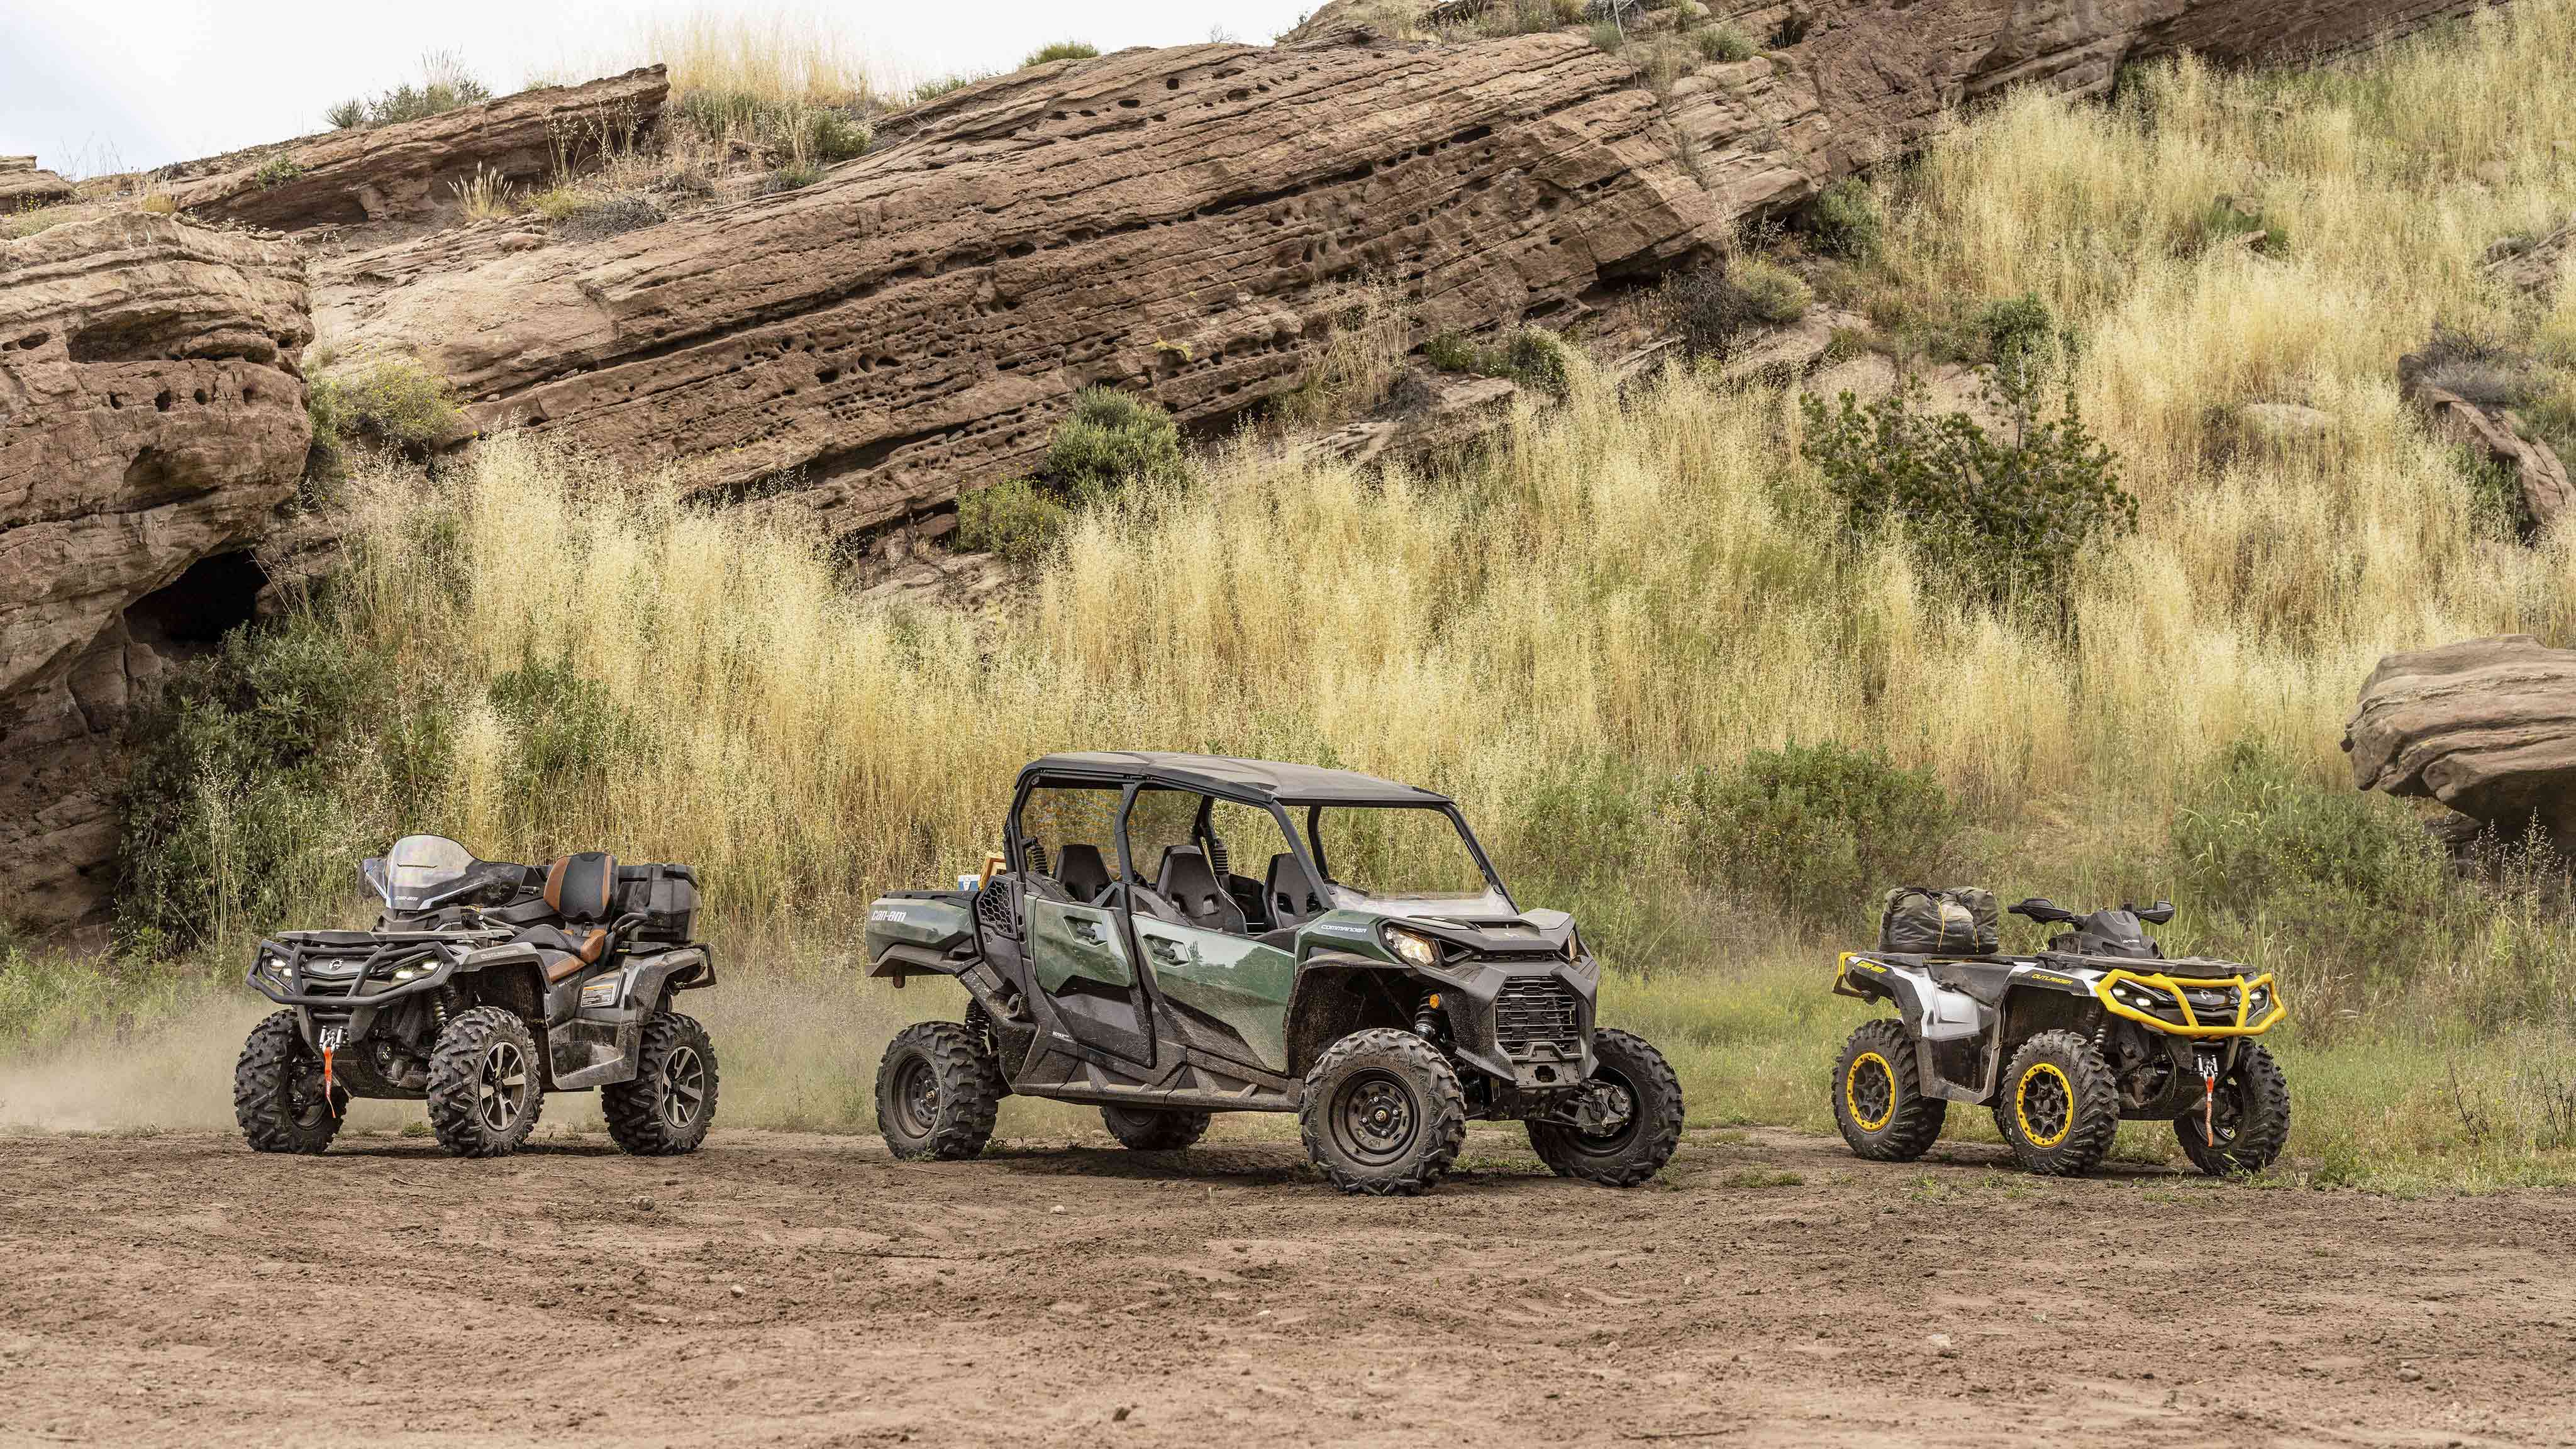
x=1079, y=958
x=1228, y=993
x=1219, y=990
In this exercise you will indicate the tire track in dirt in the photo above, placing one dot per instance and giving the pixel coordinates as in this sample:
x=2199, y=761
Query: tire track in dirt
x=798, y=1289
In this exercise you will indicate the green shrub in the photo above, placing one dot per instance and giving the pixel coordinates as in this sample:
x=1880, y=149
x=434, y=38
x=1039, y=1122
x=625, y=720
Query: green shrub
x=931, y=90
x=1723, y=43
x=1845, y=221
x=2004, y=517
x=1013, y=520
x=1111, y=440
x=276, y=171
x=2016, y=330
x=1709, y=307
x=790, y=176
x=2223, y=221
x=1531, y=356
x=829, y=135
x=398, y=404
x=595, y=216
x=445, y=86
x=1060, y=50
x=234, y=809
x=2343, y=890
x=1819, y=830
x=1450, y=352
x=565, y=730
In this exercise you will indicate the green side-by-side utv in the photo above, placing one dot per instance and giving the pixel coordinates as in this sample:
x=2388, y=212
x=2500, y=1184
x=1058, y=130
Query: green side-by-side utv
x=1168, y=936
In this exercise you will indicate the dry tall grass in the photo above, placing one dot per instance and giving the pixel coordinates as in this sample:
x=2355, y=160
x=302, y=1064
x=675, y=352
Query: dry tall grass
x=1649, y=580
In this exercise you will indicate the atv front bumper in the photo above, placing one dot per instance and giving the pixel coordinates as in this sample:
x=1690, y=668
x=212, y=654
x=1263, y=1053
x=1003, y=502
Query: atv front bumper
x=2193, y=1006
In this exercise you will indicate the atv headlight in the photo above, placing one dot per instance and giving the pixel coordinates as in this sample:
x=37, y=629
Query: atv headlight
x=1413, y=948
x=2258, y=1004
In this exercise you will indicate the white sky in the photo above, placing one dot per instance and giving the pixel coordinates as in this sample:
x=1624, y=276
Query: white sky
x=91, y=86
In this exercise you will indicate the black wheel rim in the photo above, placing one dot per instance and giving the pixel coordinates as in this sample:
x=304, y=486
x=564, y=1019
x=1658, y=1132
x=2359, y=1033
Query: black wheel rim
x=684, y=1091
x=2226, y=1111
x=307, y=1104
x=1624, y=1099
x=1375, y=1118
x=1872, y=1093
x=916, y=1097
x=2044, y=1106
x=501, y=1087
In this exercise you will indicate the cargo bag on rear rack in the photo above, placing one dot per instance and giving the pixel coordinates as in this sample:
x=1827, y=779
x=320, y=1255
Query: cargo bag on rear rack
x=1922, y=921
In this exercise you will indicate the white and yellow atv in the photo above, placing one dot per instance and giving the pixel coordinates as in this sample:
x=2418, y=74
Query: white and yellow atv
x=2062, y=1044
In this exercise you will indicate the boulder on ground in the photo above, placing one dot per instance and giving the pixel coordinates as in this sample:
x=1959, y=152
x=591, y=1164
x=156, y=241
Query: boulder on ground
x=2532, y=264
x=2486, y=727
x=151, y=420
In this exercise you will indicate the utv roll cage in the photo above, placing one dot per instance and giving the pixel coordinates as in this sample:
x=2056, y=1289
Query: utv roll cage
x=1265, y=785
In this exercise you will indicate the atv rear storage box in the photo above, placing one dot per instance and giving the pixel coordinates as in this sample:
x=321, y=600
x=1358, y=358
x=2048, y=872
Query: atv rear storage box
x=665, y=895
x=1922, y=921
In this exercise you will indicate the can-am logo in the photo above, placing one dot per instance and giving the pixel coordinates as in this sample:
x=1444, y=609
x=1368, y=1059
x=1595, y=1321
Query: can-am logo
x=886, y=913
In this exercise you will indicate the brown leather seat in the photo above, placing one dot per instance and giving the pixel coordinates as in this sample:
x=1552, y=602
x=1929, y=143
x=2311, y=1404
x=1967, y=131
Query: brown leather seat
x=582, y=889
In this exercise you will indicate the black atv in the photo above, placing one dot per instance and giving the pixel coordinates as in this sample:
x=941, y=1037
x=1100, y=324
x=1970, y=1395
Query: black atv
x=484, y=986
x=2063, y=1044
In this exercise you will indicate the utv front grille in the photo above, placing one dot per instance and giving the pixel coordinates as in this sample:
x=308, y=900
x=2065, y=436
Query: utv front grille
x=1537, y=1011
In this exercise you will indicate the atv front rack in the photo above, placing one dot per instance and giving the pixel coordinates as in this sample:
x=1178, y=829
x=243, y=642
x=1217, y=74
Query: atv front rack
x=2194, y=1006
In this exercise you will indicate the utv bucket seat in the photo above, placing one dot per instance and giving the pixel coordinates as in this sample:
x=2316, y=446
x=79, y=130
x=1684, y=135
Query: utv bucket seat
x=1188, y=881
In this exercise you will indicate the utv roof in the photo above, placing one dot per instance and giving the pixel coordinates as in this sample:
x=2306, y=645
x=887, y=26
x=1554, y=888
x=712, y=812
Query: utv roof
x=1263, y=780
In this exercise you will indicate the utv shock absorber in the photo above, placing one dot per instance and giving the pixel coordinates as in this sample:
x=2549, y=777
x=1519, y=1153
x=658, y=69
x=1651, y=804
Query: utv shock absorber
x=1431, y=1022
x=980, y=1022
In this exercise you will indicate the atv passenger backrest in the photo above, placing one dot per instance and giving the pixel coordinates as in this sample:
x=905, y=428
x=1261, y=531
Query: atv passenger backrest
x=583, y=887
x=1082, y=871
x=1290, y=892
x=1189, y=882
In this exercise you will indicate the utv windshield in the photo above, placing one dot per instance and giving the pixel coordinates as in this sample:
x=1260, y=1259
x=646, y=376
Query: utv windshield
x=1403, y=857
x=419, y=868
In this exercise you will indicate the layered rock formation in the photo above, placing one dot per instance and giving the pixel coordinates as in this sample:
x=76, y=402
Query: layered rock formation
x=151, y=419
x=2487, y=727
x=1189, y=221
x=412, y=168
x=22, y=185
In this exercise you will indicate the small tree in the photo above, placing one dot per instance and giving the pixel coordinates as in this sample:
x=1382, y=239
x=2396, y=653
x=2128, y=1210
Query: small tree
x=2009, y=516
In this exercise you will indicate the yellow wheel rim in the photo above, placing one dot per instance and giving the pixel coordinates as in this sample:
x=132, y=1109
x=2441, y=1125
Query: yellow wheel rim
x=2035, y=1133
x=1851, y=1092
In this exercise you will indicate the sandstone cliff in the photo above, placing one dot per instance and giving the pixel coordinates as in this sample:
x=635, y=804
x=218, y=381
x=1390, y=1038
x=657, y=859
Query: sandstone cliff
x=410, y=169
x=2485, y=726
x=151, y=419
x=1189, y=221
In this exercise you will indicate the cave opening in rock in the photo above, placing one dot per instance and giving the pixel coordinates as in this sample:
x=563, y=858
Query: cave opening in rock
x=216, y=595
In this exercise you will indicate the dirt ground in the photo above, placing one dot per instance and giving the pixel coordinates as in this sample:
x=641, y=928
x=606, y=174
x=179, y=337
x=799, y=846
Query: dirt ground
x=806, y=1290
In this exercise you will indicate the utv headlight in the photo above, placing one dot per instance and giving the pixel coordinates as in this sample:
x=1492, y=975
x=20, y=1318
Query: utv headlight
x=1413, y=948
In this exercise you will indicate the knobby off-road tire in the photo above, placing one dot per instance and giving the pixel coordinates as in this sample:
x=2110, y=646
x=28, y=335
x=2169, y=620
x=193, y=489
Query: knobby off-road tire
x=1149, y=1129
x=2252, y=1115
x=2058, y=1105
x=938, y=1090
x=1383, y=1113
x=486, y=1085
x=277, y=1091
x=1879, y=1101
x=1638, y=1150
x=666, y=1109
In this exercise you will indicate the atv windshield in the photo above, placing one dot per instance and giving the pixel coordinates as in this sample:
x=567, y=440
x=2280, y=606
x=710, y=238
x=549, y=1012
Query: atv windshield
x=1409, y=859
x=418, y=870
